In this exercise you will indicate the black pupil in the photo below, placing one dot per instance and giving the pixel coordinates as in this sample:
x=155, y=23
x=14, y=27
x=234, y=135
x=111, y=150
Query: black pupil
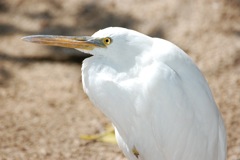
x=107, y=40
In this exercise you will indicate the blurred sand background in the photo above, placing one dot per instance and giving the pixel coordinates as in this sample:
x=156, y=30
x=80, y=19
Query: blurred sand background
x=43, y=109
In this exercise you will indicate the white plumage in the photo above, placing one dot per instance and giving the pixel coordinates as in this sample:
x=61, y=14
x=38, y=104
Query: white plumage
x=155, y=96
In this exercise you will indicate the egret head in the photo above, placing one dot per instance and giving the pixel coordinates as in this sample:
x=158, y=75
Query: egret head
x=120, y=41
x=110, y=42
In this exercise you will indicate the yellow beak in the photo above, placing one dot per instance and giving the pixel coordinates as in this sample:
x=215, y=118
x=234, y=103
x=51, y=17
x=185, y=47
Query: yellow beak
x=78, y=42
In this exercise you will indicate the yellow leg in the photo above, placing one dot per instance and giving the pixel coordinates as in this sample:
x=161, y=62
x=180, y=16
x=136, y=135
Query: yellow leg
x=108, y=136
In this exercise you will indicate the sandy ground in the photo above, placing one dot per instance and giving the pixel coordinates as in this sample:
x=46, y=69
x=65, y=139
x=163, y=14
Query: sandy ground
x=43, y=109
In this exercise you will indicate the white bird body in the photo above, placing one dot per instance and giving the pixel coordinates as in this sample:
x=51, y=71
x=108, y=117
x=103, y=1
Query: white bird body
x=155, y=96
x=158, y=101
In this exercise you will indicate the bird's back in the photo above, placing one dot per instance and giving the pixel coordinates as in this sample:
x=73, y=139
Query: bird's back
x=194, y=128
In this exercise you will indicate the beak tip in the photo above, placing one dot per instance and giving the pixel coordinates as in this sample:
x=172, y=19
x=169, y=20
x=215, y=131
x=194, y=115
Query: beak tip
x=32, y=38
x=26, y=38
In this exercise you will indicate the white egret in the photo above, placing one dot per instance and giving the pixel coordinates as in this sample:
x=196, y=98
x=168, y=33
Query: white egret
x=156, y=97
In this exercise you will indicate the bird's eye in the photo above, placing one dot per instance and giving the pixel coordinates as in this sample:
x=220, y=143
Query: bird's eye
x=107, y=41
